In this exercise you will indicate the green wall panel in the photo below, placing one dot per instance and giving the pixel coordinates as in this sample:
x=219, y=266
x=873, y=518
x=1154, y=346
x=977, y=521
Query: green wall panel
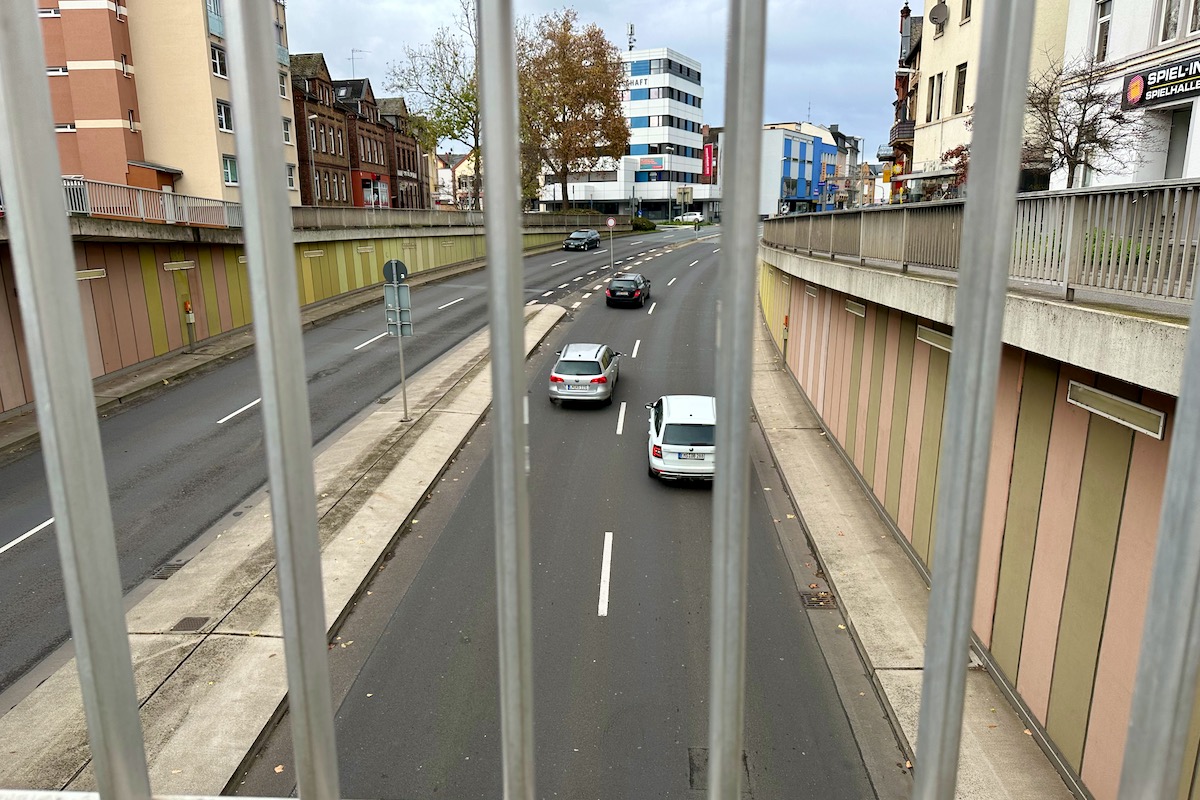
x=875, y=392
x=931, y=444
x=904, y=364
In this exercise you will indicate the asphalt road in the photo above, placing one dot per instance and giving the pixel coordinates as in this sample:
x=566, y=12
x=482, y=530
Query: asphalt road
x=174, y=469
x=621, y=698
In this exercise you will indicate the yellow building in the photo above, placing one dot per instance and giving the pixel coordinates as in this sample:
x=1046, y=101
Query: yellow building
x=187, y=113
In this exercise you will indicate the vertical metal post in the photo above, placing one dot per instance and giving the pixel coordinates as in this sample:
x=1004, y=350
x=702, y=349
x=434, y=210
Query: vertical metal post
x=280, y=354
x=496, y=68
x=735, y=335
x=403, y=371
x=987, y=243
x=44, y=265
x=611, y=264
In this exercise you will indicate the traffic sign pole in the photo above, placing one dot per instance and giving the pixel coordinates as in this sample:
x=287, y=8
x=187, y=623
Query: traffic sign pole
x=394, y=273
x=611, y=223
x=403, y=374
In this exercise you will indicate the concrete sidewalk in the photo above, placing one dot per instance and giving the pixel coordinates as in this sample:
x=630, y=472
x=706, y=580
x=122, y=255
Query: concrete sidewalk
x=207, y=644
x=882, y=595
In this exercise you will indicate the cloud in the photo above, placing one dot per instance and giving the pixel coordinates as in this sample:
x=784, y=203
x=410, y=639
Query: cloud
x=837, y=55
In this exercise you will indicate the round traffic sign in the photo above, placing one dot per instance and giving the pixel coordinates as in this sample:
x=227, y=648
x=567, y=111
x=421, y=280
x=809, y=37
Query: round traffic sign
x=394, y=271
x=612, y=223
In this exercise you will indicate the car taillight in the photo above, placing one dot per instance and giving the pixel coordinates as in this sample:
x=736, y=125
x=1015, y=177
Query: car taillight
x=657, y=451
x=608, y=292
x=601, y=379
x=637, y=292
x=556, y=379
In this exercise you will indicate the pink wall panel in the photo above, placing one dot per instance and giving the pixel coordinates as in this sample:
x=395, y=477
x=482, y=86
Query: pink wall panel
x=102, y=305
x=1115, y=671
x=823, y=344
x=848, y=322
x=114, y=263
x=139, y=312
x=912, y=439
x=864, y=386
x=1052, y=550
x=891, y=352
x=995, y=505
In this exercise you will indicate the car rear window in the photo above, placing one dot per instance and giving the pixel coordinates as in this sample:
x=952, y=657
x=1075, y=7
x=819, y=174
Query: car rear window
x=578, y=368
x=691, y=435
x=623, y=285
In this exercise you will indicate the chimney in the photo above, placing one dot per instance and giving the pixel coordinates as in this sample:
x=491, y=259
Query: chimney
x=905, y=13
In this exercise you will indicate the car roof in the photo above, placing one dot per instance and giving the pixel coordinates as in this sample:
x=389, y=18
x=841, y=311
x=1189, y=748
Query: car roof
x=581, y=352
x=696, y=409
x=627, y=275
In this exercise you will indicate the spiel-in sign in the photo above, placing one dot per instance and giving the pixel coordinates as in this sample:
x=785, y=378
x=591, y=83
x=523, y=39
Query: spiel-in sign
x=1161, y=84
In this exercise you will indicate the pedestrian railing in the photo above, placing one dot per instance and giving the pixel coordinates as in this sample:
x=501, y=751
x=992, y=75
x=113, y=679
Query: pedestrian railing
x=977, y=237
x=118, y=201
x=1138, y=240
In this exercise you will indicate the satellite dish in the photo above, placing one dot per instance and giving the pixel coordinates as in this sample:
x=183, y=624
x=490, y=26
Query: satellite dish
x=939, y=14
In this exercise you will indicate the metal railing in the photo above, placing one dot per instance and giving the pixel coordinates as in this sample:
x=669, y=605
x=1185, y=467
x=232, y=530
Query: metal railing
x=319, y=217
x=1138, y=240
x=1166, y=684
x=118, y=201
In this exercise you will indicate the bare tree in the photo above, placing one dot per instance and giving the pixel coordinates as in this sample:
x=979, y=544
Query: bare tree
x=570, y=79
x=440, y=79
x=1073, y=120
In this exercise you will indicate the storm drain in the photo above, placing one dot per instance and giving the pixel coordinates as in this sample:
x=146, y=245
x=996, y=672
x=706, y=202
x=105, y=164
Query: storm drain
x=698, y=770
x=189, y=624
x=167, y=570
x=818, y=600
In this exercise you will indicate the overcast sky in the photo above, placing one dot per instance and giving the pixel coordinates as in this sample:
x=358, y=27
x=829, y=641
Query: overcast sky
x=837, y=55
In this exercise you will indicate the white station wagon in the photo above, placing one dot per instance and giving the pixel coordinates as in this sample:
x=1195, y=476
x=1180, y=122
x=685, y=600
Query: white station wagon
x=683, y=429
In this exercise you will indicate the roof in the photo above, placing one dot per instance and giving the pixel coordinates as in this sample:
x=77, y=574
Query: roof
x=392, y=106
x=354, y=90
x=156, y=167
x=697, y=409
x=452, y=160
x=309, y=65
x=581, y=352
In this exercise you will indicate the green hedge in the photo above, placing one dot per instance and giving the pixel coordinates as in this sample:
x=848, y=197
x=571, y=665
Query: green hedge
x=642, y=224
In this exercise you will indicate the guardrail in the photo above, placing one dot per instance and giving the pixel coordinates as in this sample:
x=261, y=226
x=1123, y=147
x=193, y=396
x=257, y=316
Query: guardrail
x=317, y=217
x=1138, y=240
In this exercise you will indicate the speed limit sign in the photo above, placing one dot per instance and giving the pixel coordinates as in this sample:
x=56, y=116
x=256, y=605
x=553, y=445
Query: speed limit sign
x=612, y=223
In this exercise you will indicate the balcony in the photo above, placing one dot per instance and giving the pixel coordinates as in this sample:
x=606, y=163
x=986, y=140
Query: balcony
x=902, y=132
x=216, y=24
x=281, y=54
x=885, y=153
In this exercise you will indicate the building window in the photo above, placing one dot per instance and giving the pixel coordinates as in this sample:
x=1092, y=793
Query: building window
x=316, y=186
x=1103, y=22
x=322, y=135
x=1170, y=25
x=362, y=149
x=283, y=82
x=132, y=124
x=291, y=176
x=960, y=88
x=343, y=188
x=326, y=185
x=214, y=7
x=339, y=142
x=312, y=135
x=224, y=116
x=287, y=131
x=966, y=10
x=230, y=170
x=217, y=56
x=929, y=100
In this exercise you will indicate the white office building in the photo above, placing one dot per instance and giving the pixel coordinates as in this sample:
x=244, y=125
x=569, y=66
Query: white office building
x=663, y=103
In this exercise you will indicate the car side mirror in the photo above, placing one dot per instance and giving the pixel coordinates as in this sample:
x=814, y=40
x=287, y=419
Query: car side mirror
x=558, y=352
x=649, y=405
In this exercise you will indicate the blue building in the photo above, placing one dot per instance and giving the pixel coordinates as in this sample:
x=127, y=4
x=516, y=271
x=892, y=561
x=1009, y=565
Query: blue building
x=800, y=170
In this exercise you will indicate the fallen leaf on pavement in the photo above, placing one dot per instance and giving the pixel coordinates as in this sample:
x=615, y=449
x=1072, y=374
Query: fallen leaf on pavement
x=841, y=627
x=1027, y=732
x=278, y=768
x=791, y=516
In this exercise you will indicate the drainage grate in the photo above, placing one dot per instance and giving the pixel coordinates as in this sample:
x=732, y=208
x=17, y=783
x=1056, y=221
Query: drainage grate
x=189, y=624
x=818, y=600
x=698, y=770
x=167, y=570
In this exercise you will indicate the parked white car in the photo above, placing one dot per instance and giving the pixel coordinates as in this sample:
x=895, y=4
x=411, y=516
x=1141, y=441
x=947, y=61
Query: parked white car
x=690, y=216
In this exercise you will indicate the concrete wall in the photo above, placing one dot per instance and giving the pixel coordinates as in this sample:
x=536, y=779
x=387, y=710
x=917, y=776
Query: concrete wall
x=135, y=312
x=1072, y=506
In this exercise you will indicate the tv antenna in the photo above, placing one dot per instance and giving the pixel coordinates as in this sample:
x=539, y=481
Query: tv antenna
x=354, y=51
x=632, y=38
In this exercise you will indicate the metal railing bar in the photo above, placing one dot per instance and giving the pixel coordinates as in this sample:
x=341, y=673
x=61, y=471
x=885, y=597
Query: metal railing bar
x=1007, y=34
x=44, y=262
x=288, y=433
x=502, y=218
x=735, y=337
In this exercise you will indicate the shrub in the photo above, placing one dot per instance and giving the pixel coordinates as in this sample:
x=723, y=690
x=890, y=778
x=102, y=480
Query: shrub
x=642, y=224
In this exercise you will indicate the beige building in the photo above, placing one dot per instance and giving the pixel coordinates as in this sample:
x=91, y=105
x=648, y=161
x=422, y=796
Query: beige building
x=188, y=116
x=948, y=68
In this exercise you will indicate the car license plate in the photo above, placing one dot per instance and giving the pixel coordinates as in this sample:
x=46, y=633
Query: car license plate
x=571, y=388
x=623, y=294
x=692, y=456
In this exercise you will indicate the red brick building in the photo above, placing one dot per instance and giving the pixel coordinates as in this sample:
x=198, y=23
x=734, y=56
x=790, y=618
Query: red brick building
x=323, y=135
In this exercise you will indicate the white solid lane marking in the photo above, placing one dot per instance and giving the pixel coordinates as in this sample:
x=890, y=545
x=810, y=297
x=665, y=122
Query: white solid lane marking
x=586, y=295
x=639, y=241
x=694, y=263
x=452, y=302
x=577, y=279
x=597, y=287
x=621, y=419
x=598, y=252
x=547, y=294
x=672, y=281
x=651, y=311
x=576, y=304
x=652, y=249
x=372, y=339
x=636, y=345
x=605, y=569
x=228, y=417
x=532, y=303
x=558, y=263
x=563, y=285
x=591, y=272
x=45, y=525
x=717, y=250
x=643, y=253
x=637, y=263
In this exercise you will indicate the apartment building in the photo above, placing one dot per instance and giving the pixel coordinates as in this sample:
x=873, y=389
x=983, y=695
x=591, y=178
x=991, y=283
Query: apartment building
x=188, y=116
x=410, y=184
x=324, y=140
x=1149, y=52
x=368, y=140
x=94, y=92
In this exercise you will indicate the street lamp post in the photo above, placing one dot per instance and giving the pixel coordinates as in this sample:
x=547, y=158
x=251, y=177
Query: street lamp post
x=312, y=160
x=670, y=187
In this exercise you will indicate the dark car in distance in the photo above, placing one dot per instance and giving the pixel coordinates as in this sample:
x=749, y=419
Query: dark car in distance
x=627, y=289
x=582, y=240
